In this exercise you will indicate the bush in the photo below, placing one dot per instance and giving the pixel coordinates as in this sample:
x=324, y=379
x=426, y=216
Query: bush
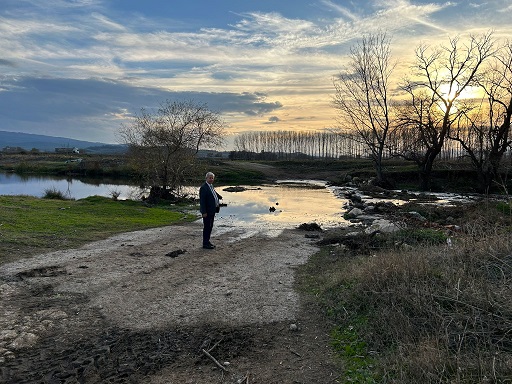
x=53, y=193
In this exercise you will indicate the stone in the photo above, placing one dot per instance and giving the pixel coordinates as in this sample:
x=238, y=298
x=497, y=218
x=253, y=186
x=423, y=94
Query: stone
x=354, y=212
x=383, y=226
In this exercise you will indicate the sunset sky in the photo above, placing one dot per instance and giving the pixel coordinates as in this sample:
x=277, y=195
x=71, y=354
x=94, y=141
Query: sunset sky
x=81, y=68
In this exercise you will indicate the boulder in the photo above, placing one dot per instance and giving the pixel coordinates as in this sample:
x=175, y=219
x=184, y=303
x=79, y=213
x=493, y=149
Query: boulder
x=354, y=212
x=383, y=226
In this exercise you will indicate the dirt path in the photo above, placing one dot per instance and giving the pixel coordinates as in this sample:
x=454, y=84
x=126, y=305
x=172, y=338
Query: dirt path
x=141, y=307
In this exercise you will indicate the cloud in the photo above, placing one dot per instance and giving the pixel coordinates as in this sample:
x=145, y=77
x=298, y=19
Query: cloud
x=87, y=107
x=341, y=10
x=93, y=63
x=8, y=63
x=260, y=108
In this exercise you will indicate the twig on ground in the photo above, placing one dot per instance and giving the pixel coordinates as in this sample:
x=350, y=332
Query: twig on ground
x=215, y=345
x=215, y=361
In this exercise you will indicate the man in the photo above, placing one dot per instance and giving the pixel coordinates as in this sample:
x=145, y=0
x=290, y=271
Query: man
x=208, y=205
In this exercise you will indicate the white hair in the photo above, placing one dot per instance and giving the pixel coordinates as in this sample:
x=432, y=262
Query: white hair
x=208, y=174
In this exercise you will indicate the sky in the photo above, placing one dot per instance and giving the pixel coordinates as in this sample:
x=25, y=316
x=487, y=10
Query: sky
x=83, y=68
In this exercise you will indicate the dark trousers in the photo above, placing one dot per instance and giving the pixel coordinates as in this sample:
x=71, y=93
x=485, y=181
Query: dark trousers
x=207, y=228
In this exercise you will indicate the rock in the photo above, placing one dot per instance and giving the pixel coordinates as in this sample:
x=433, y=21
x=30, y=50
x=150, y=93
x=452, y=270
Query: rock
x=382, y=225
x=354, y=212
x=8, y=334
x=310, y=227
x=235, y=189
x=293, y=327
x=369, y=209
x=24, y=340
x=418, y=216
x=176, y=253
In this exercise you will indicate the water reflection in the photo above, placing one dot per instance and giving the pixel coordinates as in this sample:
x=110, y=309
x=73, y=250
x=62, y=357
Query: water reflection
x=295, y=202
x=12, y=184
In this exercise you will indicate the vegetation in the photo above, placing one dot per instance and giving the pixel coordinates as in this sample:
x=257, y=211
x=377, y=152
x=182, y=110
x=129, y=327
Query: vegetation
x=163, y=146
x=405, y=307
x=87, y=165
x=53, y=193
x=434, y=105
x=30, y=225
x=432, y=313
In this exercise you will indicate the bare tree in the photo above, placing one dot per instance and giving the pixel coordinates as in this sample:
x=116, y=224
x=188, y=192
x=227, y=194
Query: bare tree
x=163, y=145
x=362, y=95
x=434, y=104
x=495, y=139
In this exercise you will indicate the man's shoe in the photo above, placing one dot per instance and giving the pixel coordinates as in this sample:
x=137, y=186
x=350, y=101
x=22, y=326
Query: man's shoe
x=209, y=246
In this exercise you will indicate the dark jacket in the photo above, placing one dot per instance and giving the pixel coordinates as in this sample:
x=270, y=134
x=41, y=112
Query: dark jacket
x=207, y=201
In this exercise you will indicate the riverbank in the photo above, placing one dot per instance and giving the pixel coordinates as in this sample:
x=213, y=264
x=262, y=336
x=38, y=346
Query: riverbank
x=30, y=225
x=448, y=176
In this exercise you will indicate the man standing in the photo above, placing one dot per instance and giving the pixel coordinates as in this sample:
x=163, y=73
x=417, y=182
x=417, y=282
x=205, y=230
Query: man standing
x=208, y=205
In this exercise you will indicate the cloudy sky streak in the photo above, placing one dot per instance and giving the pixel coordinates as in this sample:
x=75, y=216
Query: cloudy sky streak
x=81, y=68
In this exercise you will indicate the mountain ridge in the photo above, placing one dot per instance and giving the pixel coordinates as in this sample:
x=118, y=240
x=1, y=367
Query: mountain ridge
x=29, y=141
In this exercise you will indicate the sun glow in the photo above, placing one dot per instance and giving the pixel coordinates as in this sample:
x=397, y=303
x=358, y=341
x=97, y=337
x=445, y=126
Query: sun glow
x=467, y=93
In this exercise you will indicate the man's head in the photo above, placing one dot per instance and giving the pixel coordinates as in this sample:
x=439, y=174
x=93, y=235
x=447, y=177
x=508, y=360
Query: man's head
x=210, y=177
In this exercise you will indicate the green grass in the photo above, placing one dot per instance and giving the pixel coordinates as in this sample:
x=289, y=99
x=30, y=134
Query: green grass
x=352, y=348
x=30, y=225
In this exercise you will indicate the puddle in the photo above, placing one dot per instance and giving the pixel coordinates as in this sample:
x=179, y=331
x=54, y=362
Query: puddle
x=286, y=204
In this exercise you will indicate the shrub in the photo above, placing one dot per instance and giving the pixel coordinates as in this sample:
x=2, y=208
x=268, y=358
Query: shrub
x=53, y=193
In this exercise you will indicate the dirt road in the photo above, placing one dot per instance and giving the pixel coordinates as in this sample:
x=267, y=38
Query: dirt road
x=145, y=307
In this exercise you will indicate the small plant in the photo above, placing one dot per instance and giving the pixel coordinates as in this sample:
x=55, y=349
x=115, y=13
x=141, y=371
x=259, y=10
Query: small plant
x=424, y=236
x=352, y=348
x=53, y=193
x=115, y=194
x=505, y=207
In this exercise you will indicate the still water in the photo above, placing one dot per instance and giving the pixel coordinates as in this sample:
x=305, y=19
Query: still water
x=282, y=205
x=11, y=184
x=273, y=207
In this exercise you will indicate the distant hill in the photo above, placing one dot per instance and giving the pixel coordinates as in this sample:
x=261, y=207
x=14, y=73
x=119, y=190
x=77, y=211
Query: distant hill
x=44, y=143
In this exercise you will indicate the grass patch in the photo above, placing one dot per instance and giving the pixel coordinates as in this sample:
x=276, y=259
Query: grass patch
x=53, y=193
x=352, y=348
x=431, y=313
x=30, y=225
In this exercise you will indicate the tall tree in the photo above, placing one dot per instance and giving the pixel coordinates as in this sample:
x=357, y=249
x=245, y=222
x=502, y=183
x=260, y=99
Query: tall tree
x=362, y=95
x=163, y=145
x=495, y=139
x=441, y=77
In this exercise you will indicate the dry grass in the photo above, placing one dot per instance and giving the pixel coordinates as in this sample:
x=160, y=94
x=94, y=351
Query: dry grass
x=433, y=314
